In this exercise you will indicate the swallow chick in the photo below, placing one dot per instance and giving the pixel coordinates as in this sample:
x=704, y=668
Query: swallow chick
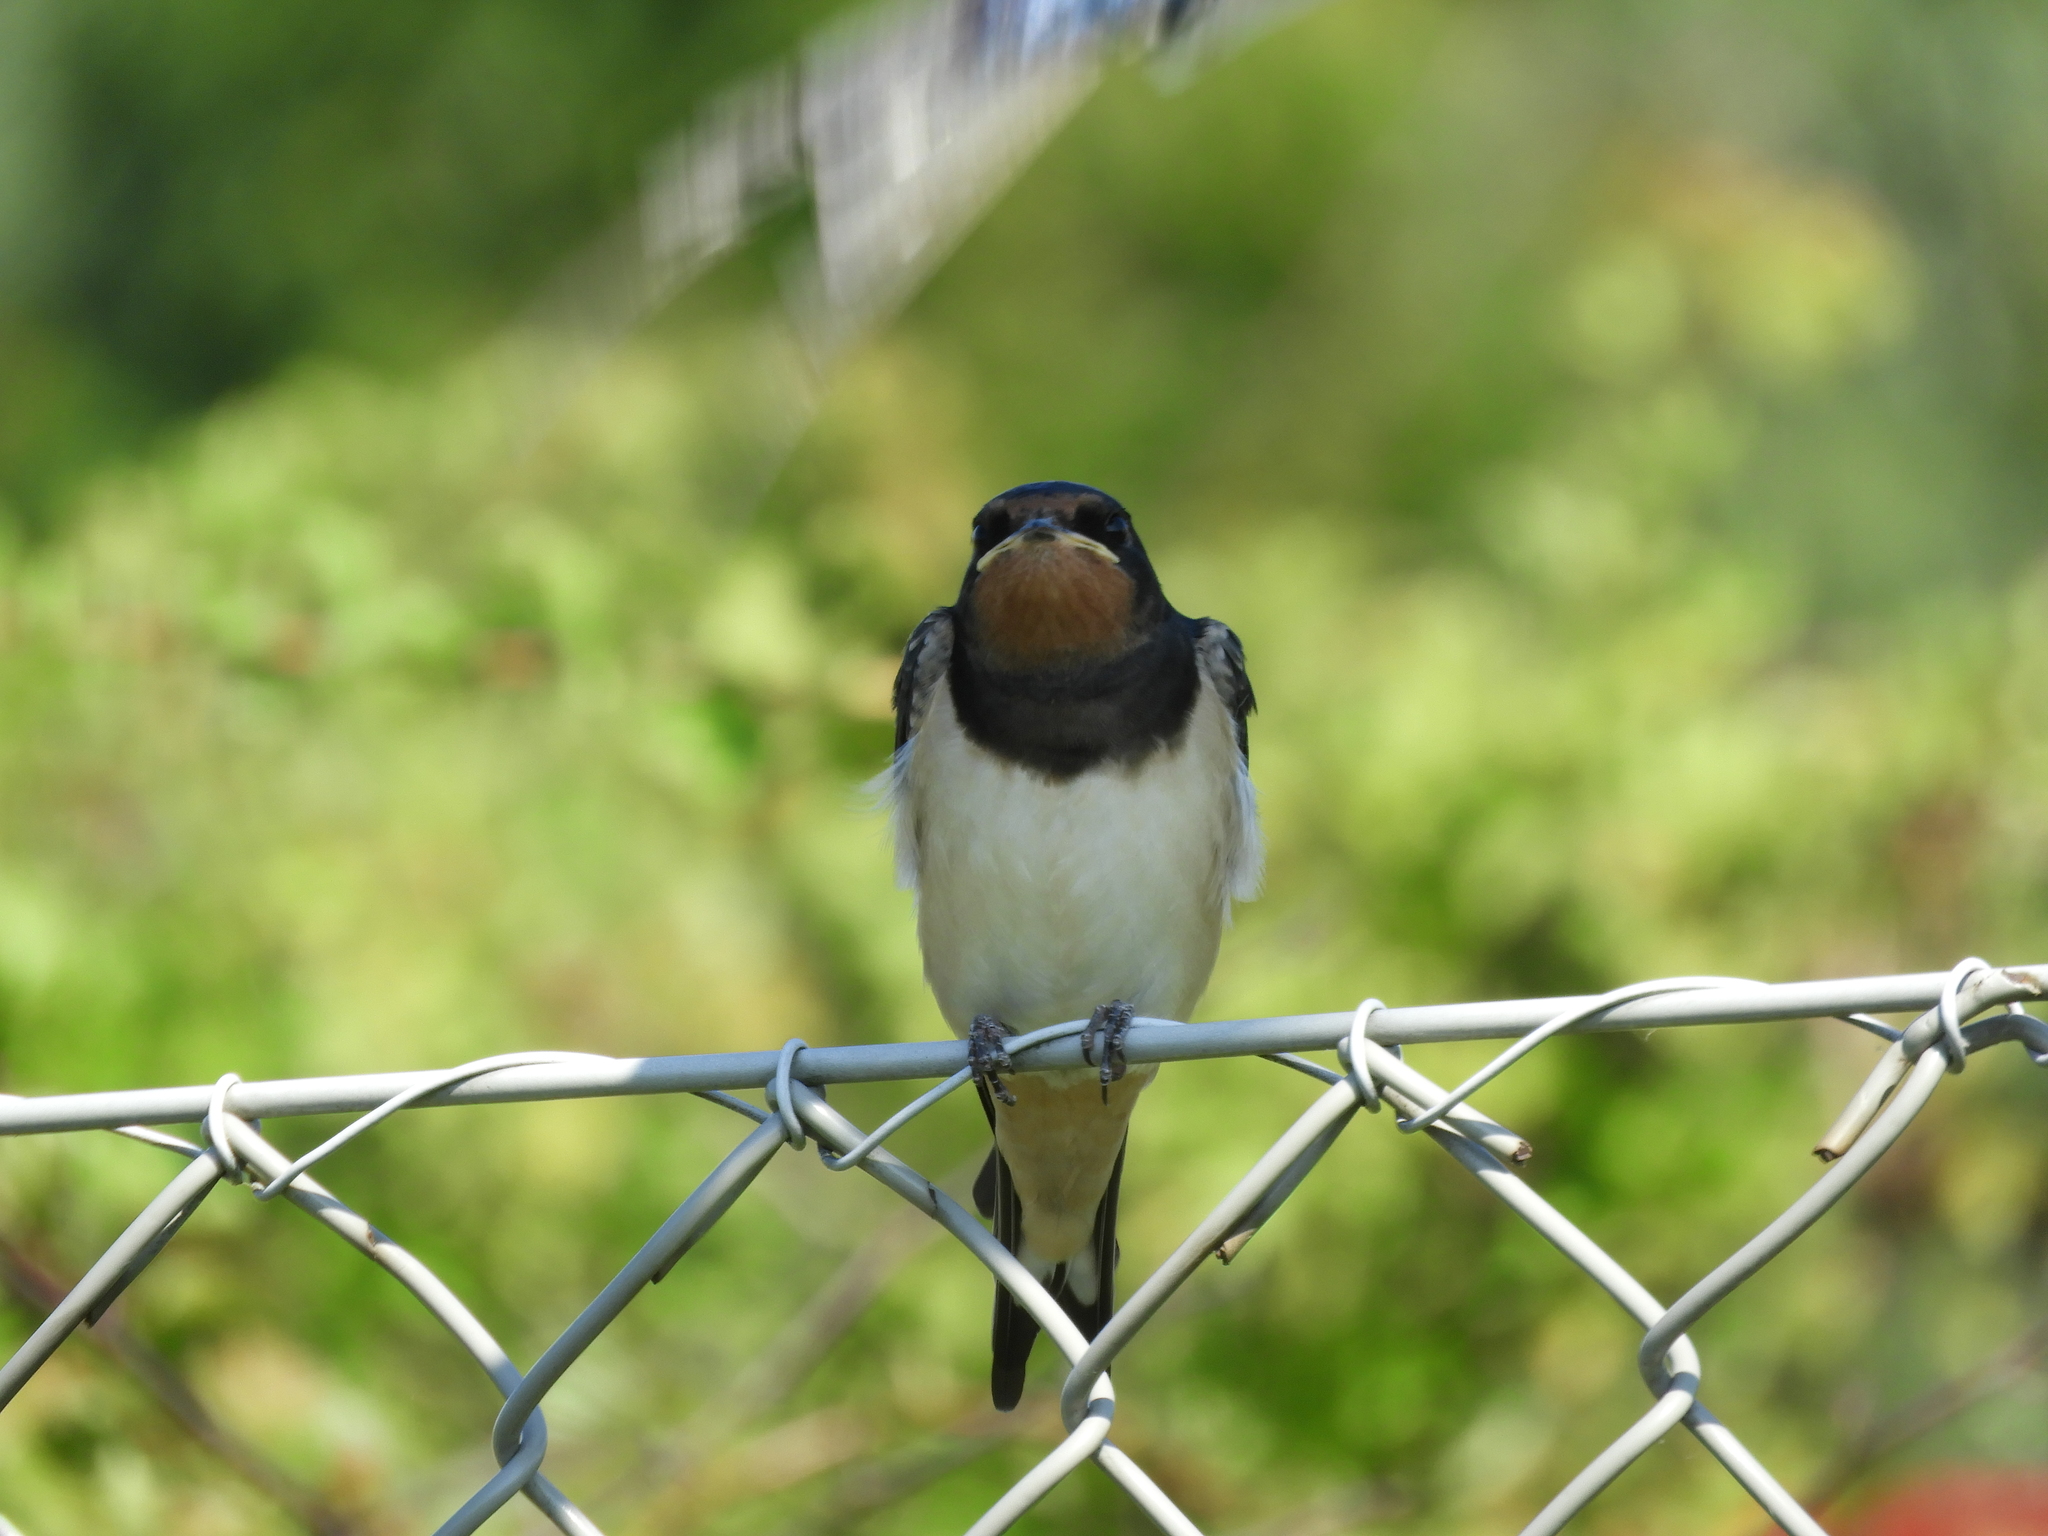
x=1073, y=807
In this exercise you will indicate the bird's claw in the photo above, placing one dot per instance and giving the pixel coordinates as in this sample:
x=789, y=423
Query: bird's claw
x=987, y=1055
x=1113, y=1020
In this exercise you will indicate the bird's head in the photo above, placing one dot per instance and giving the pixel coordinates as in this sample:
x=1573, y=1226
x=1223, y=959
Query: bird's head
x=1057, y=577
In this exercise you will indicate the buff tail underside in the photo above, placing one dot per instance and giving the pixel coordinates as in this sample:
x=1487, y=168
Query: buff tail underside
x=1014, y=1329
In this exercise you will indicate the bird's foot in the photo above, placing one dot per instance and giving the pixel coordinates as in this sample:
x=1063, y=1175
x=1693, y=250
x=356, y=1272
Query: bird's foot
x=1113, y=1020
x=987, y=1055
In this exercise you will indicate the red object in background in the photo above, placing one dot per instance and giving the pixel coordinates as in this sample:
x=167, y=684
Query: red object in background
x=2000, y=1501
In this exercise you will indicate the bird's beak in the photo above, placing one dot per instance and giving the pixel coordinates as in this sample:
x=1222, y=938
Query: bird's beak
x=1043, y=530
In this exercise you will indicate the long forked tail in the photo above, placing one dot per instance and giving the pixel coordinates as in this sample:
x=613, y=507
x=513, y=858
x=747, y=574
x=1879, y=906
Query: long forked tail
x=1014, y=1329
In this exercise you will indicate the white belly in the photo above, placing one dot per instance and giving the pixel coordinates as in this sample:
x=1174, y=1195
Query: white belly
x=1038, y=901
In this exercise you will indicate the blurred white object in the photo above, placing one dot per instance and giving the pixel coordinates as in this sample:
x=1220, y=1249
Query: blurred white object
x=900, y=126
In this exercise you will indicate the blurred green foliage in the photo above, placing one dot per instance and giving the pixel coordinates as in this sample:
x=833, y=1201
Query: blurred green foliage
x=1617, y=433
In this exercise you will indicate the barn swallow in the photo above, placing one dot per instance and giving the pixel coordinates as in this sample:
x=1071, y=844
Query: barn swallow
x=1073, y=807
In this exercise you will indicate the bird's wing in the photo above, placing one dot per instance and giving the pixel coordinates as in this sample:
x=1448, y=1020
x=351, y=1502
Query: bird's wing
x=924, y=662
x=1013, y=1330
x=1220, y=655
x=1221, y=659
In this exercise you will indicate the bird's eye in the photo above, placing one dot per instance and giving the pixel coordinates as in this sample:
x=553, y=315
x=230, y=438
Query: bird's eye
x=1118, y=527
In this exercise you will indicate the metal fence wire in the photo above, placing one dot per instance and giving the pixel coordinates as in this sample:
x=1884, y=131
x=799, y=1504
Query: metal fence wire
x=1370, y=1075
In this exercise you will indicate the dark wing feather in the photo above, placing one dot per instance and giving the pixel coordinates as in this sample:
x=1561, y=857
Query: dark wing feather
x=1221, y=656
x=925, y=660
x=985, y=1186
x=1013, y=1330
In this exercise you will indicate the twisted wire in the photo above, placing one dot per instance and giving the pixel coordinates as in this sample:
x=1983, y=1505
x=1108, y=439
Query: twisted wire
x=1373, y=1070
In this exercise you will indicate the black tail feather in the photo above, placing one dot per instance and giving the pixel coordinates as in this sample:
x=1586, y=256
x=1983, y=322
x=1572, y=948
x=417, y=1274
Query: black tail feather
x=1090, y=1316
x=1014, y=1330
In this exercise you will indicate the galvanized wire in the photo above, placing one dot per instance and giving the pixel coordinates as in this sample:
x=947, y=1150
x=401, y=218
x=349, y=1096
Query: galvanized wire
x=1367, y=1041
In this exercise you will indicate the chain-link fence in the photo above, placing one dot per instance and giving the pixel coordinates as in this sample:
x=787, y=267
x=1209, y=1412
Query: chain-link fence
x=1370, y=1074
